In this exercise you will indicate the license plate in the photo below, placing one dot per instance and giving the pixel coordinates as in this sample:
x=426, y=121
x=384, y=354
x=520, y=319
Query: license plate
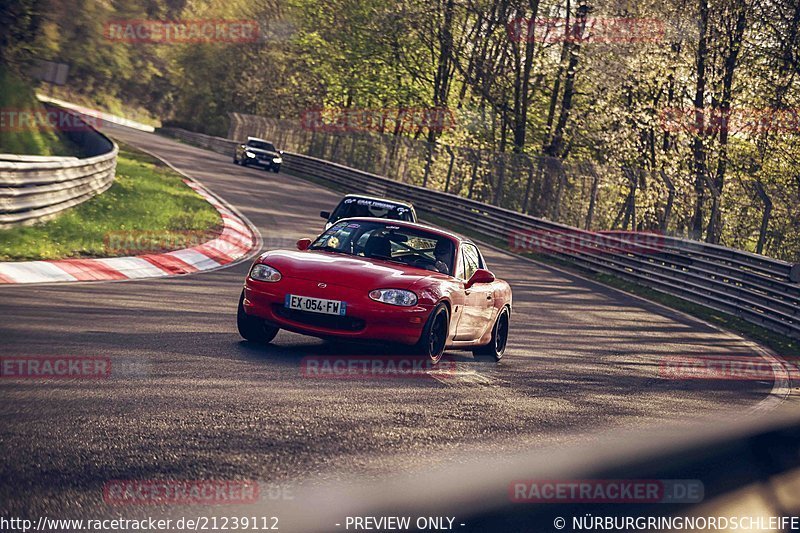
x=315, y=305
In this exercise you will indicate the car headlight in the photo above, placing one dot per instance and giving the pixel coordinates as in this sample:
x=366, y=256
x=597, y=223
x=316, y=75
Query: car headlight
x=394, y=297
x=277, y=160
x=263, y=272
x=249, y=154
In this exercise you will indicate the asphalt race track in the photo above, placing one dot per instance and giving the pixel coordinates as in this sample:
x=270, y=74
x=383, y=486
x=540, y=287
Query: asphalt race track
x=189, y=399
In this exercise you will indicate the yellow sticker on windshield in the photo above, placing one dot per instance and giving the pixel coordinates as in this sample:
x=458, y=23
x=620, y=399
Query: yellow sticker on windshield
x=333, y=242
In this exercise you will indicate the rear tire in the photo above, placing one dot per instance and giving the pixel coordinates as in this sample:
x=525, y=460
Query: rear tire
x=252, y=328
x=494, y=351
x=433, y=341
x=235, y=161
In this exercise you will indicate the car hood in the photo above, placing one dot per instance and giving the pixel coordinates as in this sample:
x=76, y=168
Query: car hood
x=259, y=151
x=343, y=270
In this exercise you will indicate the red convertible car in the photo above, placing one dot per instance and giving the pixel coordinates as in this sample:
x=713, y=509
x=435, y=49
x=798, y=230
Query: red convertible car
x=380, y=280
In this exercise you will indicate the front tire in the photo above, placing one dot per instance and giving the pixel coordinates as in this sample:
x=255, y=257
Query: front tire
x=433, y=341
x=252, y=328
x=494, y=351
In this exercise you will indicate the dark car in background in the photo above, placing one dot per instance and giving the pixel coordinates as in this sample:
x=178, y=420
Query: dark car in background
x=356, y=205
x=258, y=152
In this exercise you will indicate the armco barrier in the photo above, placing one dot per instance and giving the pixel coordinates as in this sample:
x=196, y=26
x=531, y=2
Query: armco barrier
x=35, y=189
x=215, y=144
x=755, y=288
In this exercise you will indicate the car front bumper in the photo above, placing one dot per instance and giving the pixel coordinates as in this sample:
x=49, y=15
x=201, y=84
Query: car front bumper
x=267, y=163
x=365, y=319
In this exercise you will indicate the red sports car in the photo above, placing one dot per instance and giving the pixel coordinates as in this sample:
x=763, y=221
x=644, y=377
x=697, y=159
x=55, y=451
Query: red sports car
x=380, y=280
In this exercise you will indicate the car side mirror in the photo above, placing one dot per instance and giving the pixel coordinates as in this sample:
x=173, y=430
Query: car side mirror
x=303, y=244
x=480, y=276
x=325, y=214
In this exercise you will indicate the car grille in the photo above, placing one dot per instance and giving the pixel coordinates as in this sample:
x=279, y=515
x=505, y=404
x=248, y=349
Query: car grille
x=344, y=323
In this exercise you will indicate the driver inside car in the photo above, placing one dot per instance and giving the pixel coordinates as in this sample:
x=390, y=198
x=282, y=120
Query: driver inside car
x=444, y=256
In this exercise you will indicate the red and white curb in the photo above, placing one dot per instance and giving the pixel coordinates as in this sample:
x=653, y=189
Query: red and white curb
x=235, y=243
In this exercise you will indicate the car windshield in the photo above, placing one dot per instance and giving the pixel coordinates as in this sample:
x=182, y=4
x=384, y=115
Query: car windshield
x=410, y=246
x=367, y=207
x=260, y=145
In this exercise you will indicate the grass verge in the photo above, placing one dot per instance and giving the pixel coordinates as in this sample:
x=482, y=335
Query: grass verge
x=17, y=136
x=147, y=209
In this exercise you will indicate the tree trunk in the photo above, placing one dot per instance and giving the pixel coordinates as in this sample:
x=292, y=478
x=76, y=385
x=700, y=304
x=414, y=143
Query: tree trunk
x=556, y=146
x=441, y=80
x=731, y=62
x=522, y=88
x=698, y=144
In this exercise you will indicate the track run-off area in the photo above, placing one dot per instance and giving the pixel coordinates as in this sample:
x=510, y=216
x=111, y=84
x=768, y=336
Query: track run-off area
x=189, y=399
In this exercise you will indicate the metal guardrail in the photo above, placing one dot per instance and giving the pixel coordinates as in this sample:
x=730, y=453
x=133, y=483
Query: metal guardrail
x=35, y=158
x=106, y=118
x=755, y=288
x=215, y=144
x=584, y=193
x=34, y=190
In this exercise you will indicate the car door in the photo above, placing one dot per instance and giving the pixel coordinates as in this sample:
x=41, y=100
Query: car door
x=478, y=299
x=457, y=296
x=489, y=309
